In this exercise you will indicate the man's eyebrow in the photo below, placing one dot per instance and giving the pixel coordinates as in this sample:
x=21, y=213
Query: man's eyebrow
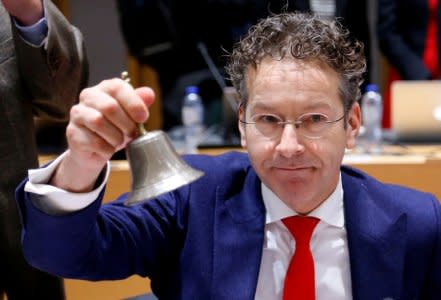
x=320, y=104
x=317, y=105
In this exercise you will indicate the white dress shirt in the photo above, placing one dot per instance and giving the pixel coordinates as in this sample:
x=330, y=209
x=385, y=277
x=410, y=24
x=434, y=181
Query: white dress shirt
x=329, y=247
x=329, y=244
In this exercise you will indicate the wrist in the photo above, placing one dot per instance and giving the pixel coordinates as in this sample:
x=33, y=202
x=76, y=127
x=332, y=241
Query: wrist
x=75, y=175
x=30, y=15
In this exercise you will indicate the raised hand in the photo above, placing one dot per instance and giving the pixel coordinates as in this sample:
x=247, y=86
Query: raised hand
x=103, y=122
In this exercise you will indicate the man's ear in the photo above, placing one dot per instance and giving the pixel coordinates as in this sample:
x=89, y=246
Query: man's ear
x=353, y=125
x=241, y=116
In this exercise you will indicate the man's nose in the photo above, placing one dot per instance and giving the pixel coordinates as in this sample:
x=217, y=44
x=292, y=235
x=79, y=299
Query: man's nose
x=289, y=143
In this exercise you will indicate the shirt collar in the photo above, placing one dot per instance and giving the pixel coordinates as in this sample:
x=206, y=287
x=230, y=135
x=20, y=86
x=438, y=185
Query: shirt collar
x=330, y=211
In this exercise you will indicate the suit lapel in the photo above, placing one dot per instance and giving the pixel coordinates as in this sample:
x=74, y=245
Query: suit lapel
x=376, y=239
x=238, y=241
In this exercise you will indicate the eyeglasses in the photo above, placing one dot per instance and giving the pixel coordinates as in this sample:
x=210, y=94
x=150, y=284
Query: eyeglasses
x=310, y=125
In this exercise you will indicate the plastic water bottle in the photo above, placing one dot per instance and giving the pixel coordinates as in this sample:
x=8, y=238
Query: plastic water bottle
x=372, y=115
x=192, y=118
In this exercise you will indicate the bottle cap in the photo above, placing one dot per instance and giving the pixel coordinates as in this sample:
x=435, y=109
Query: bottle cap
x=372, y=87
x=191, y=89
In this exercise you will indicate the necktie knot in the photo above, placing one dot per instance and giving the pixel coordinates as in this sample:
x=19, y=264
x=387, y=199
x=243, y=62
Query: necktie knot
x=301, y=228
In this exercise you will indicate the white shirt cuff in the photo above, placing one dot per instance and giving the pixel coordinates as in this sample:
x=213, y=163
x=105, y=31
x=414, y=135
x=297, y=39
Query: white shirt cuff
x=54, y=200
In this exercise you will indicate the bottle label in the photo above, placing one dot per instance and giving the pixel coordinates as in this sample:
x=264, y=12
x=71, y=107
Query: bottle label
x=191, y=115
x=371, y=115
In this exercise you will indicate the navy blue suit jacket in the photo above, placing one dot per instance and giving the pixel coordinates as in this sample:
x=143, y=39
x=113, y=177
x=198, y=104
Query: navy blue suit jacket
x=204, y=241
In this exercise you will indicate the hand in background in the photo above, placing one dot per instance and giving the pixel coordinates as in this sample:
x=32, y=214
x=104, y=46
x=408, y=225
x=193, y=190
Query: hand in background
x=102, y=123
x=27, y=12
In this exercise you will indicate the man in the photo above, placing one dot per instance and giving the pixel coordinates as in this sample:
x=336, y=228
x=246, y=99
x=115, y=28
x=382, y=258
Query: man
x=42, y=70
x=226, y=235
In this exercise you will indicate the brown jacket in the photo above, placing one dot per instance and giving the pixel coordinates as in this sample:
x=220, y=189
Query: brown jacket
x=34, y=81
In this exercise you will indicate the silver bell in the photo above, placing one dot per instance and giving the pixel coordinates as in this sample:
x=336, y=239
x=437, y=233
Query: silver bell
x=156, y=167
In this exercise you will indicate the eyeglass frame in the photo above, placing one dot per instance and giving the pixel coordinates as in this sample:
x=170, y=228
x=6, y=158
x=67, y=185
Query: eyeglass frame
x=296, y=123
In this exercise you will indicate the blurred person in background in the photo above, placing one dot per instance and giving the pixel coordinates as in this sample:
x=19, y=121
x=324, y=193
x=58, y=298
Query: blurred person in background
x=42, y=70
x=165, y=35
x=408, y=36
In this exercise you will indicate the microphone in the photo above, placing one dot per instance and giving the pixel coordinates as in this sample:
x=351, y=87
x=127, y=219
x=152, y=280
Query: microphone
x=229, y=134
x=216, y=74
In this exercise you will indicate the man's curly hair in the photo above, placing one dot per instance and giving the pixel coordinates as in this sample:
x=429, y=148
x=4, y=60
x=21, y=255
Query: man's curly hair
x=300, y=36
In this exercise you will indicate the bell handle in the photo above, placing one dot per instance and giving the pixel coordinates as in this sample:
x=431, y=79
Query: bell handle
x=142, y=129
x=126, y=78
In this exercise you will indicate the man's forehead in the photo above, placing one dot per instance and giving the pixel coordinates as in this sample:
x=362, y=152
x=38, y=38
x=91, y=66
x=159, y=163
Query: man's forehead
x=290, y=69
x=296, y=73
x=305, y=82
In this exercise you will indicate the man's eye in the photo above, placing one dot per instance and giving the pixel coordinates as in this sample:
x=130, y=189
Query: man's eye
x=270, y=119
x=314, y=118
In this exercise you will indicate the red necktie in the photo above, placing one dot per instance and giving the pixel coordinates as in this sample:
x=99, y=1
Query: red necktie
x=299, y=280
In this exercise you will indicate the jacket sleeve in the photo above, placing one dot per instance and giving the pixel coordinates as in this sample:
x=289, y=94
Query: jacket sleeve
x=55, y=72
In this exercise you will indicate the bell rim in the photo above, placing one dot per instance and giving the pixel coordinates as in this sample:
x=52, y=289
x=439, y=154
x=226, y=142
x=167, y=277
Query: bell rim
x=174, y=182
